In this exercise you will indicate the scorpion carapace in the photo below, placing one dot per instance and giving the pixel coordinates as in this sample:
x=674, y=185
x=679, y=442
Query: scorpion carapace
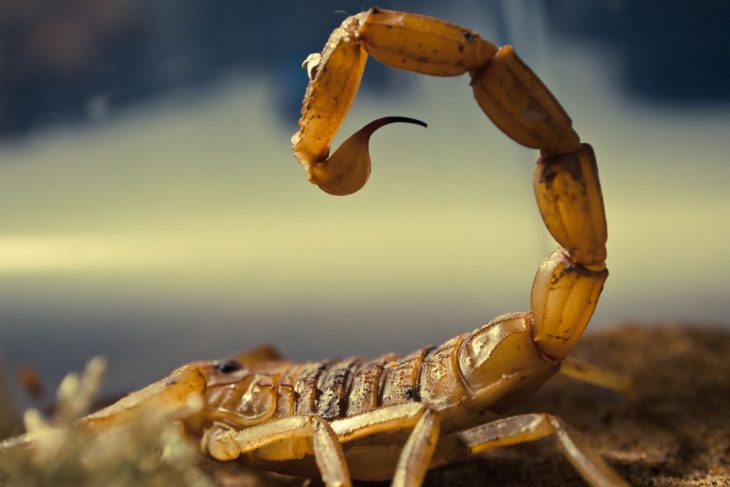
x=398, y=417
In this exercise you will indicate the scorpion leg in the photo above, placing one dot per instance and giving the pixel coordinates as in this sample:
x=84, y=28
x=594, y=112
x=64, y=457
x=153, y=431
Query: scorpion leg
x=378, y=421
x=415, y=458
x=593, y=374
x=262, y=353
x=224, y=443
x=525, y=428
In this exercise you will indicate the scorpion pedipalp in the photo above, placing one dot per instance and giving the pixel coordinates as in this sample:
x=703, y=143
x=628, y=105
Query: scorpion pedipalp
x=180, y=395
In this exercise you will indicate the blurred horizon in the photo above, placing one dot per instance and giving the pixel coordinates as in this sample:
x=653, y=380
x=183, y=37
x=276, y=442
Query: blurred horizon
x=173, y=223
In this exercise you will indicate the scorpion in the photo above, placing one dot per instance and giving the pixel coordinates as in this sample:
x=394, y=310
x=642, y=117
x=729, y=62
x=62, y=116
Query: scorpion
x=397, y=417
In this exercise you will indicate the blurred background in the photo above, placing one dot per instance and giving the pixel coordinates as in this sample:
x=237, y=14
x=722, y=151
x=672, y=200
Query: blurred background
x=151, y=210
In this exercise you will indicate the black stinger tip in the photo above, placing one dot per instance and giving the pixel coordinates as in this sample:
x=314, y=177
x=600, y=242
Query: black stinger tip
x=414, y=121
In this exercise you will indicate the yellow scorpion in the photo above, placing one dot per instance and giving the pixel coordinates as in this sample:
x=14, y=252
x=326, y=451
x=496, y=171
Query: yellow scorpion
x=397, y=417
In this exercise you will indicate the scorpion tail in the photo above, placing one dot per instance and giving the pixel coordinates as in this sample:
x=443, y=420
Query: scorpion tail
x=564, y=295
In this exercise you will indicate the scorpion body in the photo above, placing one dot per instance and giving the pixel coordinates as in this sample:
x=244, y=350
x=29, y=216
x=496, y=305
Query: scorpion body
x=397, y=417
x=443, y=377
x=456, y=379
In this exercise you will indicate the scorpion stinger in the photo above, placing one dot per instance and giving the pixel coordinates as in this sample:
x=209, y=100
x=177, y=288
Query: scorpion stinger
x=348, y=169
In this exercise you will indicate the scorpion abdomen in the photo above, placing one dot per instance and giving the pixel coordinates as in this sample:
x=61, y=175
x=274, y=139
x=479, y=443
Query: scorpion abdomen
x=348, y=387
x=451, y=374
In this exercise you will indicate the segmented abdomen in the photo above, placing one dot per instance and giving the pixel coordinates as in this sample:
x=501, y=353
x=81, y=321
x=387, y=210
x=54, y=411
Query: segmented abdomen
x=343, y=388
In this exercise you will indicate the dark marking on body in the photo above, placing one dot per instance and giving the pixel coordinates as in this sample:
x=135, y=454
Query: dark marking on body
x=557, y=337
x=412, y=394
x=333, y=389
x=561, y=163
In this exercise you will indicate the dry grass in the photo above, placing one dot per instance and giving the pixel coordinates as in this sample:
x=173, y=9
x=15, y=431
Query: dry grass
x=149, y=451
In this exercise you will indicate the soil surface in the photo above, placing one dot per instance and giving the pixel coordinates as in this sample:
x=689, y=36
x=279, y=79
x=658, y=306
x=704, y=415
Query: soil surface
x=674, y=430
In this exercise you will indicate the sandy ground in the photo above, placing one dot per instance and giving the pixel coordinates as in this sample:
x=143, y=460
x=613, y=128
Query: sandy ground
x=674, y=431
